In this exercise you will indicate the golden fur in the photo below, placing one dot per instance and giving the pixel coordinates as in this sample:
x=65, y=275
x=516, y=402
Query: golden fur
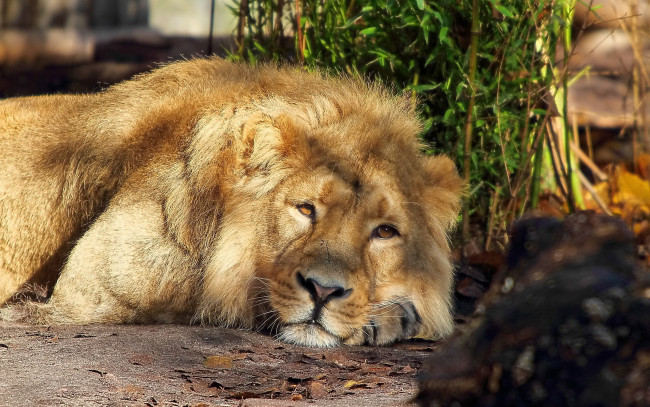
x=213, y=192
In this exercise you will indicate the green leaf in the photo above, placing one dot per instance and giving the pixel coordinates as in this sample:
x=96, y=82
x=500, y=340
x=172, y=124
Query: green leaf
x=427, y=126
x=368, y=31
x=438, y=16
x=448, y=115
x=424, y=87
x=430, y=59
x=420, y=4
x=233, y=10
x=504, y=10
x=259, y=46
x=442, y=35
x=351, y=22
x=426, y=23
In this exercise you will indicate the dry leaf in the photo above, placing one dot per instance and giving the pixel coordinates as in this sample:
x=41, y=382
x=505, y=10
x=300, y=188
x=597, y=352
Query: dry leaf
x=317, y=390
x=380, y=370
x=366, y=384
x=643, y=165
x=353, y=384
x=406, y=370
x=218, y=362
x=132, y=389
x=632, y=189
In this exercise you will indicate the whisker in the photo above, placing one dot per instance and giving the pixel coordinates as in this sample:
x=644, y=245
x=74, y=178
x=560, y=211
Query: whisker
x=266, y=313
x=261, y=301
x=272, y=317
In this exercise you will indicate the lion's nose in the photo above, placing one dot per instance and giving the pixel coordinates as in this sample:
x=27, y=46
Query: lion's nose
x=322, y=293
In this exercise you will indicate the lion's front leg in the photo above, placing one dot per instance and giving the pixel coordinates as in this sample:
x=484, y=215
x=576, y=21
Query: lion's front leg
x=126, y=268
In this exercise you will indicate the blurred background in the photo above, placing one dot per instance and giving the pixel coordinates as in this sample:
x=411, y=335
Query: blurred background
x=51, y=46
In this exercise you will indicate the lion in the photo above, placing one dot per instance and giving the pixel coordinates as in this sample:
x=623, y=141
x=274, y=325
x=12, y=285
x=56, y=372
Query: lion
x=213, y=192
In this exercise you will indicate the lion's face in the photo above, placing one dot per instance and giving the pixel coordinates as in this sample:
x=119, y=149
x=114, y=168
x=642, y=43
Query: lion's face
x=355, y=251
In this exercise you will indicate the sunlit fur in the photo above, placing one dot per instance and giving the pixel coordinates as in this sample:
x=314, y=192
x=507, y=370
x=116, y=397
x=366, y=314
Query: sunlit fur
x=174, y=197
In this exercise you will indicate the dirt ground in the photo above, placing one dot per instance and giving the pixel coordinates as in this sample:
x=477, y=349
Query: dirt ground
x=173, y=365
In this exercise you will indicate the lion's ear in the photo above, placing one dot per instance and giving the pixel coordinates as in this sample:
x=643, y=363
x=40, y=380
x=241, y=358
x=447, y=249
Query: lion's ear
x=444, y=189
x=237, y=147
x=271, y=144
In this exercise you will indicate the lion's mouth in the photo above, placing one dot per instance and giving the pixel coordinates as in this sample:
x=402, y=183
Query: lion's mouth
x=308, y=333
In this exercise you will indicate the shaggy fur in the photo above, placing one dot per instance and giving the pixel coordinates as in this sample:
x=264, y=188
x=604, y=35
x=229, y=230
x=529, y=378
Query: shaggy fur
x=225, y=194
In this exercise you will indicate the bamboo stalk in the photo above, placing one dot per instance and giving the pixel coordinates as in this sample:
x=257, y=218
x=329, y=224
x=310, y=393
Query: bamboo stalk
x=566, y=34
x=639, y=79
x=636, y=79
x=414, y=96
x=211, y=32
x=491, y=220
x=587, y=185
x=600, y=176
x=301, y=40
x=538, y=145
x=590, y=146
x=470, y=117
x=241, y=27
x=278, y=30
x=557, y=159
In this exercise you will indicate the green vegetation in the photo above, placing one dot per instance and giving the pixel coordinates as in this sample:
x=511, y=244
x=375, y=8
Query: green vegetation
x=481, y=71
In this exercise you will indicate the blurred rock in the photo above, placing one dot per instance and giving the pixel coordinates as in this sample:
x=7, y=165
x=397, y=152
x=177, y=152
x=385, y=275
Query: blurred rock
x=604, y=97
x=611, y=13
x=567, y=324
x=20, y=47
x=608, y=67
x=73, y=14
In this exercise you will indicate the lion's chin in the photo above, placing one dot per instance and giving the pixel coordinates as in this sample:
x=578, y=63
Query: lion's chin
x=305, y=334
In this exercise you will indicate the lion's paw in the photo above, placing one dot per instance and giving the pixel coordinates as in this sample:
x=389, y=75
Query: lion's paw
x=392, y=322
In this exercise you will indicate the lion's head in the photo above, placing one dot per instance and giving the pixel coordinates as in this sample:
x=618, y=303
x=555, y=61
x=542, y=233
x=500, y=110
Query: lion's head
x=340, y=220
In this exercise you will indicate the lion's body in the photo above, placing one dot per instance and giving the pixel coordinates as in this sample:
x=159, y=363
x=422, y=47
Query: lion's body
x=214, y=192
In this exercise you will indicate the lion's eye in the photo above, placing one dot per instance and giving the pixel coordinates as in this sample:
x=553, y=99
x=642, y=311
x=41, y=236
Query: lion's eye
x=384, y=232
x=307, y=209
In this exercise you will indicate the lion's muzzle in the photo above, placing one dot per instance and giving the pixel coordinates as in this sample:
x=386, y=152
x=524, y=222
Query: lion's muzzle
x=320, y=293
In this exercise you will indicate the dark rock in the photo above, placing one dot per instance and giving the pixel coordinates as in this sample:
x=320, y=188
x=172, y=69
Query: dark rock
x=472, y=280
x=567, y=325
